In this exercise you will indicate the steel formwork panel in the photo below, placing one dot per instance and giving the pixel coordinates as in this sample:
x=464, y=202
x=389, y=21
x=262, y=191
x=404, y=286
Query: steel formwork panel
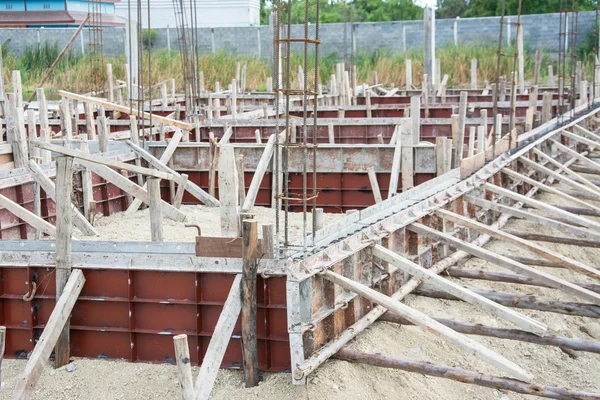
x=133, y=315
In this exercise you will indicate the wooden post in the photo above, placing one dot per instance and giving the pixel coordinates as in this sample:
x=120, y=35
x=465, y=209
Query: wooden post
x=474, y=73
x=249, y=341
x=320, y=218
x=395, y=167
x=102, y=134
x=551, y=80
x=64, y=233
x=415, y=115
x=239, y=164
x=258, y=137
x=331, y=133
x=368, y=103
x=267, y=241
x=374, y=184
x=228, y=192
x=462, y=117
x=89, y=121
x=184, y=368
x=547, y=107
x=45, y=131
x=180, y=191
x=156, y=228
x=471, y=149
x=521, y=57
x=37, y=207
x=34, y=152
x=65, y=119
x=86, y=183
x=407, y=160
x=408, y=67
x=110, y=91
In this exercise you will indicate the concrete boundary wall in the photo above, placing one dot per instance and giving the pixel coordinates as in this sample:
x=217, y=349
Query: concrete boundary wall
x=540, y=31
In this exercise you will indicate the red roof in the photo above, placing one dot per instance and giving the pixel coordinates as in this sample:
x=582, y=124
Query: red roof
x=49, y=18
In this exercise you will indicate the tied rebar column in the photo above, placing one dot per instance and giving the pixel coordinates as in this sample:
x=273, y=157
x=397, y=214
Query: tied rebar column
x=567, y=56
x=513, y=74
x=95, y=44
x=291, y=198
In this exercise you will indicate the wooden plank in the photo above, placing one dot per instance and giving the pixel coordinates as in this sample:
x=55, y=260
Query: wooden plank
x=64, y=233
x=125, y=109
x=27, y=216
x=535, y=218
x=249, y=340
x=136, y=191
x=575, y=154
x=374, y=185
x=407, y=160
x=180, y=191
x=561, y=178
x=164, y=159
x=520, y=177
x=395, y=174
x=579, y=139
x=462, y=117
x=424, y=321
x=268, y=246
x=567, y=171
x=470, y=165
x=462, y=293
x=219, y=342
x=184, y=368
x=50, y=335
x=589, y=133
x=505, y=262
x=227, y=247
x=259, y=174
x=79, y=220
x=191, y=187
x=156, y=227
x=228, y=192
x=104, y=161
x=86, y=183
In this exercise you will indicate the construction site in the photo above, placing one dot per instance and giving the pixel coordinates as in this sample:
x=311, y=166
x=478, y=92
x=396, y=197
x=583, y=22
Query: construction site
x=322, y=239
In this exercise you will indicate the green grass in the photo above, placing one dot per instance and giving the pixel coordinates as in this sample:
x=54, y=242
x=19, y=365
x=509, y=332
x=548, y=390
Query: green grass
x=78, y=74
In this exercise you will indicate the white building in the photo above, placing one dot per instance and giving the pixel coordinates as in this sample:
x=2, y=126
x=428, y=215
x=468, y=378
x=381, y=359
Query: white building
x=210, y=13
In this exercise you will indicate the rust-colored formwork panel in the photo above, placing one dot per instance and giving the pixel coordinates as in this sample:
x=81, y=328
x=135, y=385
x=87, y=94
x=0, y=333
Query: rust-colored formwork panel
x=134, y=315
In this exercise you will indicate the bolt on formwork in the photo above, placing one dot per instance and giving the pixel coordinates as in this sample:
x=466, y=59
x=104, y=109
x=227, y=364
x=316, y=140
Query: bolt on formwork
x=285, y=195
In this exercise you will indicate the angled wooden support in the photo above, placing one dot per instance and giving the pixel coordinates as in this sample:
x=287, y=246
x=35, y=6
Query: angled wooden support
x=79, y=220
x=191, y=187
x=104, y=161
x=578, y=177
x=422, y=320
x=588, y=133
x=505, y=262
x=583, y=140
x=520, y=177
x=535, y=218
x=219, y=342
x=566, y=262
x=124, y=109
x=27, y=216
x=467, y=295
x=374, y=185
x=164, y=159
x=180, y=191
x=184, y=367
x=575, y=154
x=396, y=164
x=50, y=335
x=560, y=178
x=136, y=191
x=259, y=174
x=554, y=212
x=461, y=375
